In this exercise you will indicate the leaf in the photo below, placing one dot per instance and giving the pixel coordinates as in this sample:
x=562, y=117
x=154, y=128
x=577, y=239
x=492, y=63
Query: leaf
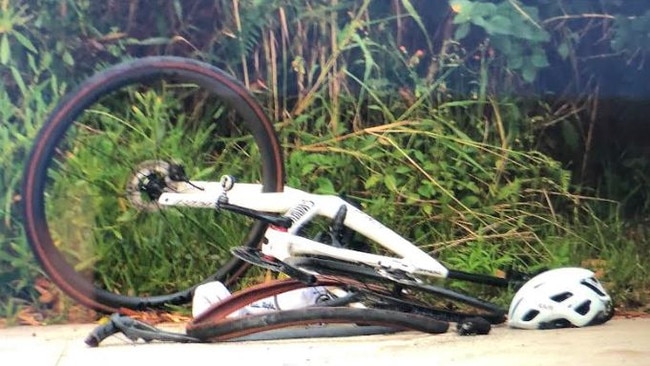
x=470, y=201
x=307, y=168
x=154, y=41
x=499, y=25
x=5, y=51
x=32, y=63
x=127, y=216
x=48, y=295
x=539, y=60
x=480, y=21
x=29, y=316
x=509, y=190
x=516, y=61
x=426, y=190
x=19, y=80
x=325, y=186
x=570, y=135
x=529, y=73
x=484, y=9
x=415, y=15
x=403, y=169
x=463, y=10
x=372, y=181
x=390, y=182
x=178, y=9
x=472, y=187
x=25, y=42
x=67, y=58
x=563, y=50
x=462, y=31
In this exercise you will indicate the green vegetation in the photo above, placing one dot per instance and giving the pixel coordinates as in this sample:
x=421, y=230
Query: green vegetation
x=471, y=127
x=110, y=230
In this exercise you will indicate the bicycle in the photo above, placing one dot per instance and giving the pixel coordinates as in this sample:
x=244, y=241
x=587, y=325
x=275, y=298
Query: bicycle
x=319, y=320
x=142, y=198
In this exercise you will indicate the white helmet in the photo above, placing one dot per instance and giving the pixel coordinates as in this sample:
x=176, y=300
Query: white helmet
x=559, y=298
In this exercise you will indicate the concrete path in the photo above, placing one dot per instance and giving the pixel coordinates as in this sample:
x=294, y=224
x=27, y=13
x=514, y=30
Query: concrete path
x=619, y=342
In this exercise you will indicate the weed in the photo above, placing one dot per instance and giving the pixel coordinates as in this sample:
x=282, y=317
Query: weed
x=406, y=110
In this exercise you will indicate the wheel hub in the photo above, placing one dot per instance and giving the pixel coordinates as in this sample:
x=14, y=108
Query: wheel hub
x=150, y=180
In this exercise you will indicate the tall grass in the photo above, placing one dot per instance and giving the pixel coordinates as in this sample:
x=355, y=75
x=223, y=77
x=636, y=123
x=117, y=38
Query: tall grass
x=379, y=100
x=116, y=234
x=25, y=98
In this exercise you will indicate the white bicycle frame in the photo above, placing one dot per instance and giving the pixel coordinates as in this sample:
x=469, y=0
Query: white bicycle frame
x=301, y=207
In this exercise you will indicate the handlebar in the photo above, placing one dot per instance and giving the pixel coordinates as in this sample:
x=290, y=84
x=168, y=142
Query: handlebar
x=133, y=329
x=100, y=333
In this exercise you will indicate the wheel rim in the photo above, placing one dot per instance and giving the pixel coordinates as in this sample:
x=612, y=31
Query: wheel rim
x=88, y=202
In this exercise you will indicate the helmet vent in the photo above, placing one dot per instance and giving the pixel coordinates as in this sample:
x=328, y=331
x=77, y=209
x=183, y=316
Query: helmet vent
x=561, y=296
x=554, y=324
x=530, y=315
x=583, y=309
x=590, y=283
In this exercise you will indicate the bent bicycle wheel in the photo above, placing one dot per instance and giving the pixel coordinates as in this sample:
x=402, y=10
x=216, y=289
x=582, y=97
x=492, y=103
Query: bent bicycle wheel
x=89, y=186
x=214, y=324
x=239, y=327
x=375, y=288
x=401, y=294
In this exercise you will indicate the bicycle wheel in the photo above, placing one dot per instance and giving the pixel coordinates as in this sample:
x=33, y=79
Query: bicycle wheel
x=214, y=323
x=238, y=327
x=89, y=214
x=402, y=294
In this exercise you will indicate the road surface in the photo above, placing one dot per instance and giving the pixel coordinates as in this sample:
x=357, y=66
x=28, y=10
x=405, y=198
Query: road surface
x=618, y=342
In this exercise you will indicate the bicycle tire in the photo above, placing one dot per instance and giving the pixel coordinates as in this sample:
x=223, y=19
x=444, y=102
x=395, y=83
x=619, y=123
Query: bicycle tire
x=54, y=147
x=239, y=327
x=250, y=294
x=214, y=324
x=387, y=291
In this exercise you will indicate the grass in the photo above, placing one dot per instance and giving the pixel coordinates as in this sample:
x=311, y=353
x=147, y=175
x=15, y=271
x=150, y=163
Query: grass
x=117, y=235
x=419, y=134
x=478, y=206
